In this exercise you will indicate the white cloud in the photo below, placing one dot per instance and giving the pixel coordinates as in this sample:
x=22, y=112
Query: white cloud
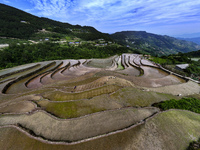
x=117, y=13
x=6, y=1
x=52, y=8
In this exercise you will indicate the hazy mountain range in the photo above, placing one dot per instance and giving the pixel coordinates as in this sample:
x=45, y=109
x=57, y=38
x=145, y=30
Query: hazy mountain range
x=153, y=43
x=195, y=40
x=190, y=35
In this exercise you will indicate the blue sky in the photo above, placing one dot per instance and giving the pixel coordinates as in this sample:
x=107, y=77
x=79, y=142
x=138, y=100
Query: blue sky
x=175, y=17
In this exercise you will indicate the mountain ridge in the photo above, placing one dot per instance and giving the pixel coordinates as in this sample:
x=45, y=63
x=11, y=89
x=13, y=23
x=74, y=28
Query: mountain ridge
x=20, y=24
x=153, y=43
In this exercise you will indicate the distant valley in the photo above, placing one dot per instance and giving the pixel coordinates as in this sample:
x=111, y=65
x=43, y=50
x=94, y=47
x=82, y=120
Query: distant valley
x=195, y=40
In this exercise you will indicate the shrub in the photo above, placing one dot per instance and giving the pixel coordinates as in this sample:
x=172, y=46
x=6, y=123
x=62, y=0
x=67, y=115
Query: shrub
x=191, y=104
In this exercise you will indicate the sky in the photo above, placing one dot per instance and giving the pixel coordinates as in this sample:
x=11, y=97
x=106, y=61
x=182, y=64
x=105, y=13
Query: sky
x=165, y=17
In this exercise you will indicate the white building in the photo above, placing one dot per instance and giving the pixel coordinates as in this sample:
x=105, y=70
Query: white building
x=182, y=66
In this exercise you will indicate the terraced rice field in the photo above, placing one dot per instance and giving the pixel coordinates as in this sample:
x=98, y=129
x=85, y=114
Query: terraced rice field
x=94, y=104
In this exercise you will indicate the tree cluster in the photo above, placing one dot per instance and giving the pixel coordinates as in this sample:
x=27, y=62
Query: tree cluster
x=191, y=104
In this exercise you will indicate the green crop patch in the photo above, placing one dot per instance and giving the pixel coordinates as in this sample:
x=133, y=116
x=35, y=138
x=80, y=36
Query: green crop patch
x=79, y=108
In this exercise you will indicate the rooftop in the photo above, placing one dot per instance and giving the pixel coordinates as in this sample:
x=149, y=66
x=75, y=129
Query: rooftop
x=182, y=66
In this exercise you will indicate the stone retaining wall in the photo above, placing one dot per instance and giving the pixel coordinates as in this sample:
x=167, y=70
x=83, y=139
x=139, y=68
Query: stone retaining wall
x=178, y=75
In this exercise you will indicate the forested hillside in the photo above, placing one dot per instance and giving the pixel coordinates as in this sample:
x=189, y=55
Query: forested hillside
x=19, y=24
x=193, y=54
x=154, y=44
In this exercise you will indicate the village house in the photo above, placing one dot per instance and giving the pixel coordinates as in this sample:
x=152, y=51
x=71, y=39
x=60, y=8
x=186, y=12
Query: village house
x=181, y=67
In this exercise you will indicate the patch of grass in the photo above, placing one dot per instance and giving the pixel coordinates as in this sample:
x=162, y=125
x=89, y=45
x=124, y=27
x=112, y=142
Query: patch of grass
x=119, y=65
x=68, y=38
x=70, y=109
x=178, y=126
x=158, y=60
x=79, y=108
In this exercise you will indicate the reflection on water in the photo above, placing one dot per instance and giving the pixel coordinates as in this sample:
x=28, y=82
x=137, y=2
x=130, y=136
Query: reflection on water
x=19, y=87
x=19, y=74
x=178, y=78
x=131, y=71
x=150, y=72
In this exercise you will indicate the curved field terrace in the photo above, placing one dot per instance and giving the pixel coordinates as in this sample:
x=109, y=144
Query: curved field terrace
x=95, y=104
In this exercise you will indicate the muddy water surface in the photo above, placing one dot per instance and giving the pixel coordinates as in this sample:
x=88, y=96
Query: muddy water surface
x=19, y=87
x=150, y=72
x=130, y=71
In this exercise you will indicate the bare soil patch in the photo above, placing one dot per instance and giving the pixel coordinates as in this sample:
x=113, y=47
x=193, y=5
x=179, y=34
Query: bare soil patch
x=184, y=89
x=20, y=107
